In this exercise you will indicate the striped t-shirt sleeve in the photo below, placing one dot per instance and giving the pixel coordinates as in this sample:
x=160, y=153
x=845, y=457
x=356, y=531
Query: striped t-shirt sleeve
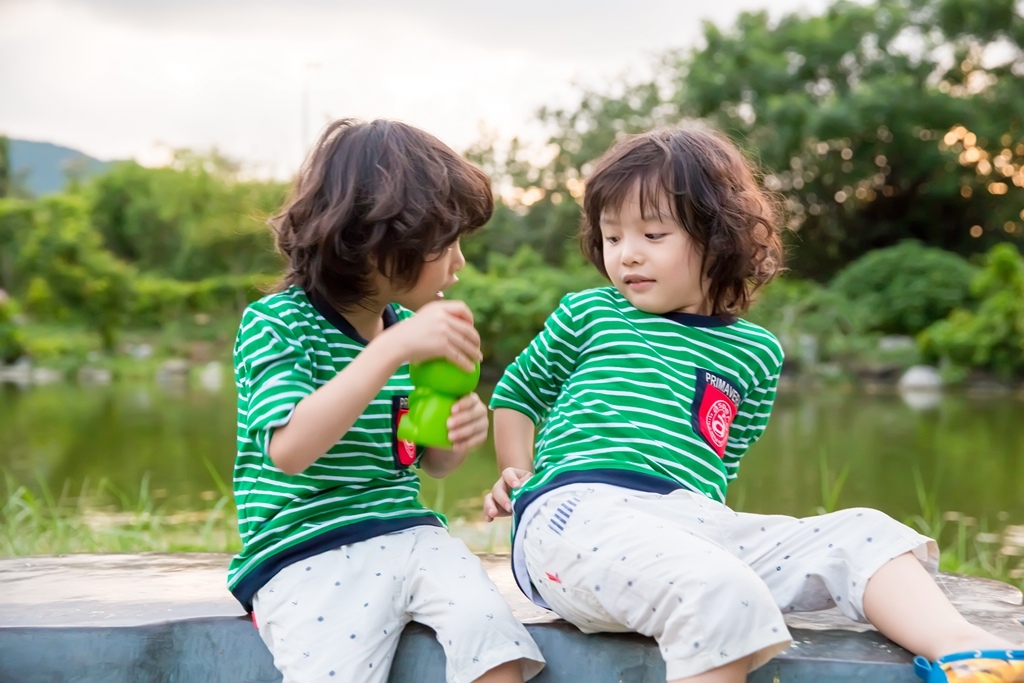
x=533, y=381
x=273, y=373
x=749, y=425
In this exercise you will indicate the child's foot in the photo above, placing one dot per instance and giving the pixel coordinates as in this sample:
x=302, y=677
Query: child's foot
x=979, y=666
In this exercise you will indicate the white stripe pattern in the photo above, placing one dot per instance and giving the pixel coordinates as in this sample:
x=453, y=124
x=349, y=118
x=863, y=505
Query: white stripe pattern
x=614, y=387
x=284, y=351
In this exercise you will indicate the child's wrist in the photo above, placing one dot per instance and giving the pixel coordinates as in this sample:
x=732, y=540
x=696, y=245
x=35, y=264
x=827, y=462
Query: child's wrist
x=387, y=351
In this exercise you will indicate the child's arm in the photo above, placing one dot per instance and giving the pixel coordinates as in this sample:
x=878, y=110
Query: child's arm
x=467, y=427
x=513, y=446
x=753, y=413
x=442, y=329
x=523, y=397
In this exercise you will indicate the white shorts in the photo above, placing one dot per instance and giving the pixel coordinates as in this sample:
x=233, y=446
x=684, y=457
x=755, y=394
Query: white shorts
x=338, y=616
x=709, y=584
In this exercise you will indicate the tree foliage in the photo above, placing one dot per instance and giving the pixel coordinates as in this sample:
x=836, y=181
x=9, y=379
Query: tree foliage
x=904, y=289
x=15, y=225
x=877, y=122
x=514, y=296
x=5, y=166
x=72, y=275
x=187, y=221
x=12, y=338
x=990, y=337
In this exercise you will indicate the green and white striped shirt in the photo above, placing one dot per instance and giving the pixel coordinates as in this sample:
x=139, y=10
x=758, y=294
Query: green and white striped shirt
x=287, y=347
x=640, y=400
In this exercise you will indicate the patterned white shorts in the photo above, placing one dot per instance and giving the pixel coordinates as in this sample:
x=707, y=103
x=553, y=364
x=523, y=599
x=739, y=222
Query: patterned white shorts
x=709, y=584
x=337, y=616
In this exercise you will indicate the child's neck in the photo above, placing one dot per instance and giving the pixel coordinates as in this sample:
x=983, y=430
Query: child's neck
x=367, y=320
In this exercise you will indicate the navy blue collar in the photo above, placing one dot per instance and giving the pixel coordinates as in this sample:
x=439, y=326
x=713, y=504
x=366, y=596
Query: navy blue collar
x=344, y=326
x=696, y=320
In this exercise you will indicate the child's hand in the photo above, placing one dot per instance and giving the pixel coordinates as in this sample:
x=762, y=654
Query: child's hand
x=498, y=503
x=467, y=426
x=441, y=329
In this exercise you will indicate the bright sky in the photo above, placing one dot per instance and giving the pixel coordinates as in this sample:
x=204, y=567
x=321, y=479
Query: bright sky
x=258, y=78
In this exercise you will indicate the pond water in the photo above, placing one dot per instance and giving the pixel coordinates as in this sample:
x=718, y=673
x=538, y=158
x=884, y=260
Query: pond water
x=960, y=457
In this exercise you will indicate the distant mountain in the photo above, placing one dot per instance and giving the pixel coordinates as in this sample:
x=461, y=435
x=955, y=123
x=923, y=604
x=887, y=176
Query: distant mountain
x=44, y=168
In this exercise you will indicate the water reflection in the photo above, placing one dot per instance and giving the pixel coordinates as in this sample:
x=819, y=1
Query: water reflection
x=900, y=455
x=919, y=400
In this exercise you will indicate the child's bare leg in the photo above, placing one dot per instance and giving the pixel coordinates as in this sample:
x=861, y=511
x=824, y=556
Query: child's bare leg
x=905, y=604
x=733, y=672
x=509, y=672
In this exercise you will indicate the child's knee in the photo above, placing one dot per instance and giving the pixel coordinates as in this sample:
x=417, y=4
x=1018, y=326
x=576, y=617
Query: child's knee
x=732, y=616
x=867, y=534
x=869, y=518
x=735, y=586
x=715, y=599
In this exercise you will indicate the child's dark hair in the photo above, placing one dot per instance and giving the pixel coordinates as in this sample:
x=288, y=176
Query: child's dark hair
x=714, y=195
x=381, y=195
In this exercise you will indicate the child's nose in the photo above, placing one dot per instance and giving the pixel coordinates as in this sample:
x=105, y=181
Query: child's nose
x=632, y=253
x=458, y=260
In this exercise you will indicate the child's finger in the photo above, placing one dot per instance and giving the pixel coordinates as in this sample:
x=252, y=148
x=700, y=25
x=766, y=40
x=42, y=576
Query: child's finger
x=465, y=344
x=490, y=509
x=460, y=309
x=466, y=437
x=514, y=478
x=499, y=496
x=467, y=413
x=461, y=357
x=462, y=351
x=466, y=404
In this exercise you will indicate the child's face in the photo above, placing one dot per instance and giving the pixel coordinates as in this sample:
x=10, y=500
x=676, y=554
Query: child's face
x=438, y=274
x=653, y=263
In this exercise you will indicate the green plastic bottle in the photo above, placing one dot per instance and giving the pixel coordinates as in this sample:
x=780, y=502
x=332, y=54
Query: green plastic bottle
x=438, y=385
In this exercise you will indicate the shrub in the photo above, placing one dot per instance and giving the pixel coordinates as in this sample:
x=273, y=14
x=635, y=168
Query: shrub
x=991, y=337
x=513, y=298
x=905, y=288
x=12, y=337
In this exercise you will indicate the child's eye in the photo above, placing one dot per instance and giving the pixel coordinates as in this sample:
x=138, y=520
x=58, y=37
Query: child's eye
x=654, y=235
x=611, y=240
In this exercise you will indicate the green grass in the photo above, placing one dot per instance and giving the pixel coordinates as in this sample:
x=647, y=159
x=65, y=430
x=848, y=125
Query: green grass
x=48, y=524
x=64, y=522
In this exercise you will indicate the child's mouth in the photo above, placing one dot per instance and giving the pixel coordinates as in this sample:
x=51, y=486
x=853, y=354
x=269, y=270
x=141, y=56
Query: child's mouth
x=637, y=284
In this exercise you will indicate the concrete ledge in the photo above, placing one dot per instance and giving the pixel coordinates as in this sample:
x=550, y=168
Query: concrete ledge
x=157, y=618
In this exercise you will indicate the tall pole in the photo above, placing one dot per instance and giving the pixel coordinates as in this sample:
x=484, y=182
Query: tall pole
x=306, y=69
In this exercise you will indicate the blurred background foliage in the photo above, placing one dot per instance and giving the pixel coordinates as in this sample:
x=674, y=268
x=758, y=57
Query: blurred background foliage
x=891, y=131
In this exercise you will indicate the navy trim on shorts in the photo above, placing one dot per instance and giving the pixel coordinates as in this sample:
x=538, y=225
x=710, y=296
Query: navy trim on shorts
x=627, y=479
x=346, y=535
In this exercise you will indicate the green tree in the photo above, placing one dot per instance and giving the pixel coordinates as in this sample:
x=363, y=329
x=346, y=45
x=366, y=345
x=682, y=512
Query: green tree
x=12, y=338
x=876, y=122
x=991, y=337
x=5, y=166
x=194, y=219
x=15, y=225
x=538, y=203
x=72, y=276
x=905, y=288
